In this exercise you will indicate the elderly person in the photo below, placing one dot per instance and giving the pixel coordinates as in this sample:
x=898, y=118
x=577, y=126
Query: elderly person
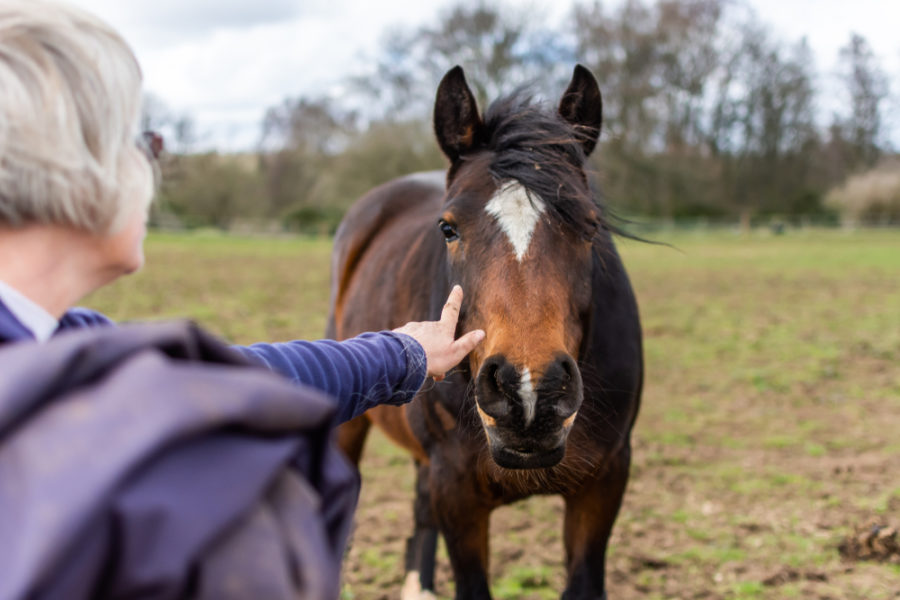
x=74, y=193
x=149, y=462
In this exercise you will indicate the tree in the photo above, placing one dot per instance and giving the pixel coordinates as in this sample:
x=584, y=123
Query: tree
x=762, y=127
x=621, y=49
x=211, y=189
x=385, y=150
x=688, y=56
x=654, y=62
x=498, y=46
x=866, y=88
x=299, y=139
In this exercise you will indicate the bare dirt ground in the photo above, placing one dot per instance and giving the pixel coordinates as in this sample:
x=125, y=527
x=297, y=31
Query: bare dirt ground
x=672, y=540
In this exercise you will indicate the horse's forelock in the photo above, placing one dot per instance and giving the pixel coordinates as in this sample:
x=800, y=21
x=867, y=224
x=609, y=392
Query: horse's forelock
x=531, y=144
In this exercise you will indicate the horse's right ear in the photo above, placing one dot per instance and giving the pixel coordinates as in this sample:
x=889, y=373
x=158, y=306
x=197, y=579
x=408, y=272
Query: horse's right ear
x=457, y=125
x=582, y=107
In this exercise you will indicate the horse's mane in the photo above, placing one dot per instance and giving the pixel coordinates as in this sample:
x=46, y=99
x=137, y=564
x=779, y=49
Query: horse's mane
x=535, y=146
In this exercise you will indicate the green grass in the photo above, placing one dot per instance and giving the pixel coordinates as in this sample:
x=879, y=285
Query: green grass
x=244, y=289
x=768, y=429
x=524, y=580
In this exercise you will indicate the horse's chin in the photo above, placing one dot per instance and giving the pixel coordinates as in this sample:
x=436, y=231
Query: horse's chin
x=515, y=459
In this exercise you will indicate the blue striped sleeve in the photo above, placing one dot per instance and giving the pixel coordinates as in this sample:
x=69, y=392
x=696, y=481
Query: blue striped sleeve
x=362, y=372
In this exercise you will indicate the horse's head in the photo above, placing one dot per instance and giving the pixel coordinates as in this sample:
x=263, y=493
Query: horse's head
x=518, y=221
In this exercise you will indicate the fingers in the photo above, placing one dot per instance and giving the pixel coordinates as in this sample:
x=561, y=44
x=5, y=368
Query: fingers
x=450, y=313
x=442, y=352
x=455, y=352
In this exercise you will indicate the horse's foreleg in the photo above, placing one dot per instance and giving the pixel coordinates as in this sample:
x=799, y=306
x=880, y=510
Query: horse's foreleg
x=590, y=515
x=421, y=548
x=463, y=522
x=351, y=437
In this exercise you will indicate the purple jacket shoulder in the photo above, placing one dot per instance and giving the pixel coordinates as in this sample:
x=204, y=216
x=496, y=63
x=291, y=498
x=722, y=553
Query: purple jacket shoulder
x=77, y=318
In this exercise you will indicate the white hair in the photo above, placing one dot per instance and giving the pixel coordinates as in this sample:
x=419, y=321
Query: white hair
x=70, y=101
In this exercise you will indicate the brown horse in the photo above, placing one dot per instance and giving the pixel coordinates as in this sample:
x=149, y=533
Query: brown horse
x=546, y=403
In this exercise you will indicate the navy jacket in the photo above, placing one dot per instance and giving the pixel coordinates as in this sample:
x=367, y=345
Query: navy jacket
x=362, y=372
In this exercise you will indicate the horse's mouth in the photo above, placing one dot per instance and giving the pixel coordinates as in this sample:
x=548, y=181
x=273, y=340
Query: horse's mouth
x=509, y=458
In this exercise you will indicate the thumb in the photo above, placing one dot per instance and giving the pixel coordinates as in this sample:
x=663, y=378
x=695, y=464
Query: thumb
x=465, y=344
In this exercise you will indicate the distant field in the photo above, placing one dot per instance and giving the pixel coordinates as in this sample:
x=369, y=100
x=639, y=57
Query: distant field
x=770, y=428
x=244, y=289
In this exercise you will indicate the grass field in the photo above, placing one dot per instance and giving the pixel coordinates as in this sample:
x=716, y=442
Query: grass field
x=770, y=428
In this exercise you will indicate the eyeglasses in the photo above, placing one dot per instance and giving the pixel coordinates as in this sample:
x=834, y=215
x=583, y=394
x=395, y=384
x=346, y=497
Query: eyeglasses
x=151, y=146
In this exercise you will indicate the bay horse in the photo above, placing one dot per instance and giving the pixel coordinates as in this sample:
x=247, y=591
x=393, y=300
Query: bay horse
x=545, y=405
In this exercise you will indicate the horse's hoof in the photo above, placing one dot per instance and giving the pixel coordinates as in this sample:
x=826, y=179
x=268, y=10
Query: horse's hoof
x=412, y=590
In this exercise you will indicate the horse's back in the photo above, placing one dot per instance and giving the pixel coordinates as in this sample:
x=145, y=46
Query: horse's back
x=384, y=213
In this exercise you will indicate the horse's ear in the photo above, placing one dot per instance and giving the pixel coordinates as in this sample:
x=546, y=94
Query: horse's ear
x=457, y=124
x=582, y=107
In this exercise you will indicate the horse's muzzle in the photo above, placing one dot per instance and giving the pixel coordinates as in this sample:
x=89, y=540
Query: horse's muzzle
x=526, y=421
x=509, y=458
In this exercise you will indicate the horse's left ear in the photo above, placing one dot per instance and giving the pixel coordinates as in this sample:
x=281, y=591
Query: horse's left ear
x=582, y=107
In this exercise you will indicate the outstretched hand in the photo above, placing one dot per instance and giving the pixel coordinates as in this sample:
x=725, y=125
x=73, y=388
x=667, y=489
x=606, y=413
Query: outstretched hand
x=442, y=351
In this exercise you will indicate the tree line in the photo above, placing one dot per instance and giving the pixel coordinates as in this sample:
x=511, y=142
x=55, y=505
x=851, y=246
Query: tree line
x=707, y=114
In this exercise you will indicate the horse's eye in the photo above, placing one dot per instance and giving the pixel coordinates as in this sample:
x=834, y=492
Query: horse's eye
x=449, y=231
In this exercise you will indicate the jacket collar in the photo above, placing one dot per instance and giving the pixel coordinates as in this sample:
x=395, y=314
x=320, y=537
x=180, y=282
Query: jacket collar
x=11, y=330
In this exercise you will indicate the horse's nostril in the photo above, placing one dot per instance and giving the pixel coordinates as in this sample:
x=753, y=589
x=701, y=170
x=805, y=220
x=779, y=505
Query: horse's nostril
x=492, y=385
x=499, y=377
x=495, y=375
x=562, y=381
x=491, y=376
x=569, y=368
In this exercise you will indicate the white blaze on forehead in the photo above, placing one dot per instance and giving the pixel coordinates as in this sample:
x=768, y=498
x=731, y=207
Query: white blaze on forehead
x=518, y=212
x=528, y=396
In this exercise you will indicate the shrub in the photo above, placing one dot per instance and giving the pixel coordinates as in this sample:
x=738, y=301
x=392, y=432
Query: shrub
x=870, y=198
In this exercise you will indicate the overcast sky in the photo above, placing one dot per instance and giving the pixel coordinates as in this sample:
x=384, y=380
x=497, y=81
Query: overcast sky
x=224, y=62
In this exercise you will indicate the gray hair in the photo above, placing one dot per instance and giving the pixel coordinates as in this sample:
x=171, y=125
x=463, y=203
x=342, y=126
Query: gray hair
x=70, y=101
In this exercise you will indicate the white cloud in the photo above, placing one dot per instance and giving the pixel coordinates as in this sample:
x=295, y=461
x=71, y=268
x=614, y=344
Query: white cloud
x=224, y=60
x=166, y=20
